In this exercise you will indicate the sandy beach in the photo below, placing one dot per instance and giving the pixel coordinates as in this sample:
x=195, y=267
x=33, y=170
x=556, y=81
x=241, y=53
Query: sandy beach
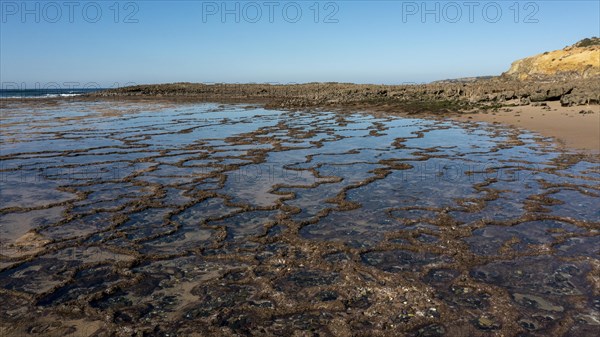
x=576, y=128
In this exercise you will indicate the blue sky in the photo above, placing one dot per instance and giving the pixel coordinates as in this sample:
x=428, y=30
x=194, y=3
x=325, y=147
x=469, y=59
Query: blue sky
x=364, y=41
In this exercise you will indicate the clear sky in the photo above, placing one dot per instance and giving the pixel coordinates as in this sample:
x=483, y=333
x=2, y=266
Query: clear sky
x=270, y=41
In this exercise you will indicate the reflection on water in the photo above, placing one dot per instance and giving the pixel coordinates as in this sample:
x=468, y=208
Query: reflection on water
x=161, y=219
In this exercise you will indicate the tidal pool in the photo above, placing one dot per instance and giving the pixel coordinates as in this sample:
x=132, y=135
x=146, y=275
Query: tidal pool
x=179, y=219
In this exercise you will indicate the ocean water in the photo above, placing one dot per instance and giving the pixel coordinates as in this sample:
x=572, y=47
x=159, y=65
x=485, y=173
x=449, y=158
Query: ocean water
x=44, y=93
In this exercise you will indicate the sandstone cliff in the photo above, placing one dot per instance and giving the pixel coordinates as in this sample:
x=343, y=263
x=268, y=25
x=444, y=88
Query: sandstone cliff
x=579, y=61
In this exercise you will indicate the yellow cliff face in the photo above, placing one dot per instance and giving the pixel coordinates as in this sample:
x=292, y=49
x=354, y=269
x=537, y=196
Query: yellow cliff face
x=569, y=63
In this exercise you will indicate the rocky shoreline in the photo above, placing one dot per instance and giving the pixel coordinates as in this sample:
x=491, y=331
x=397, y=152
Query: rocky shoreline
x=570, y=75
x=146, y=218
x=437, y=97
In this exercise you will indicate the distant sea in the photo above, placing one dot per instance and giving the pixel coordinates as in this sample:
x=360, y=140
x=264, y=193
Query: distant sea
x=43, y=93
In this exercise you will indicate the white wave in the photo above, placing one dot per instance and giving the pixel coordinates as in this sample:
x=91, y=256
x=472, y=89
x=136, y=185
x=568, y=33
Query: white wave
x=42, y=96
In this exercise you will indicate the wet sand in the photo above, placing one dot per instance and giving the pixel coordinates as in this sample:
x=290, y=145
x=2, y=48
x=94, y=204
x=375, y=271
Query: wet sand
x=572, y=128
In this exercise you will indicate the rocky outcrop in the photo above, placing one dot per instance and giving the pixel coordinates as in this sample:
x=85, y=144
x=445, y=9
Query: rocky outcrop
x=571, y=76
x=579, y=61
x=434, y=96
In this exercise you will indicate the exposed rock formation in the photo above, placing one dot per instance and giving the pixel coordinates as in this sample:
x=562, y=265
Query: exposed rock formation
x=435, y=97
x=571, y=76
x=579, y=61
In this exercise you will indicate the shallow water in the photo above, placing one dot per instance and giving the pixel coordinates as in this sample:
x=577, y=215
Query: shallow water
x=123, y=218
